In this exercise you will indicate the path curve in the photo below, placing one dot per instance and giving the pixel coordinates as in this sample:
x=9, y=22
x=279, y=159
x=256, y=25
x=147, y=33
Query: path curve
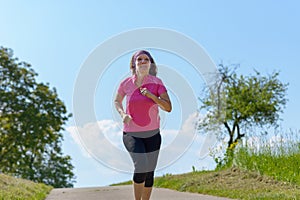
x=123, y=193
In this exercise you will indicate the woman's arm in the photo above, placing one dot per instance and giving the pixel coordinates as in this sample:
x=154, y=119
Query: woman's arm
x=119, y=107
x=163, y=100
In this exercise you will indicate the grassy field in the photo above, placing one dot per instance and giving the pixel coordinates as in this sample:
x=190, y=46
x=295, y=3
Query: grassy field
x=19, y=189
x=263, y=170
x=233, y=183
x=278, y=158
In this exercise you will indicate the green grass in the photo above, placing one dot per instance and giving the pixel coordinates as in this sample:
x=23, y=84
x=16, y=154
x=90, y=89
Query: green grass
x=19, y=189
x=266, y=170
x=233, y=183
x=279, y=159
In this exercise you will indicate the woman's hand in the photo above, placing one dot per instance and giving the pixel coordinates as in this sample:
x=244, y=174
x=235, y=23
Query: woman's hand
x=126, y=118
x=146, y=92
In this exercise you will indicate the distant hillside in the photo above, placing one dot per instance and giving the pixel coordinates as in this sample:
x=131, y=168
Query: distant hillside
x=14, y=188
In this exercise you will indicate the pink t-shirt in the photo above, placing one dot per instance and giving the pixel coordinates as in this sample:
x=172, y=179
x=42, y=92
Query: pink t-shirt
x=143, y=110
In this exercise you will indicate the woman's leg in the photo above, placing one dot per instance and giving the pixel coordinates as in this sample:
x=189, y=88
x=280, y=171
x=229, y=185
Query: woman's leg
x=144, y=153
x=148, y=185
x=136, y=149
x=138, y=189
x=152, y=148
x=146, y=193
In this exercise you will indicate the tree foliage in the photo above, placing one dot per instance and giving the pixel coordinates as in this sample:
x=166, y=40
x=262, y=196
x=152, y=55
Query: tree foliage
x=31, y=120
x=237, y=102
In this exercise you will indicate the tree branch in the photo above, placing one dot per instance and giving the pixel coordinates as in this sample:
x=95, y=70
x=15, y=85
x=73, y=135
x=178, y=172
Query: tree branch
x=239, y=135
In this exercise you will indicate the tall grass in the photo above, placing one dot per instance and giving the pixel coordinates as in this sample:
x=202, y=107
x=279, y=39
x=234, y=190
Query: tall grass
x=278, y=156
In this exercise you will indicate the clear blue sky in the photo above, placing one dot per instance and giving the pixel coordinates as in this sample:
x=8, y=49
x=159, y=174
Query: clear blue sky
x=56, y=37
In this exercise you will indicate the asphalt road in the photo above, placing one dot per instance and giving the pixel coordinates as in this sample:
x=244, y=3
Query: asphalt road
x=121, y=193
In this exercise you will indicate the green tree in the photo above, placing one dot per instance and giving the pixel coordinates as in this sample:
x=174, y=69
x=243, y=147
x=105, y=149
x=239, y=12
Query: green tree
x=236, y=103
x=31, y=120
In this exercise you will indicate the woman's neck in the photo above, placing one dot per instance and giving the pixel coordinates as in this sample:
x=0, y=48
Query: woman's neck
x=139, y=79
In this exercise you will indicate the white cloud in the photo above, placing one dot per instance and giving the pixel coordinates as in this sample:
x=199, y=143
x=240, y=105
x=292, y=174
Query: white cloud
x=103, y=141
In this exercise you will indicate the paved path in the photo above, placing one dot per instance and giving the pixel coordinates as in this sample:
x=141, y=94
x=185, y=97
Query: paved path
x=121, y=193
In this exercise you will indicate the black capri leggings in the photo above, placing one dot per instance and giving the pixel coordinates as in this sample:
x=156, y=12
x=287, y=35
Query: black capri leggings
x=144, y=153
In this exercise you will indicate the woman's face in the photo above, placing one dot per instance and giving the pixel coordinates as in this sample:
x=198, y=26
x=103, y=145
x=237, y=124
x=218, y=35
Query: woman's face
x=142, y=64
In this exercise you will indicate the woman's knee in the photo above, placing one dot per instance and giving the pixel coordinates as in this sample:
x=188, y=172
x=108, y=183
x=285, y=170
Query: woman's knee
x=139, y=177
x=149, y=179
